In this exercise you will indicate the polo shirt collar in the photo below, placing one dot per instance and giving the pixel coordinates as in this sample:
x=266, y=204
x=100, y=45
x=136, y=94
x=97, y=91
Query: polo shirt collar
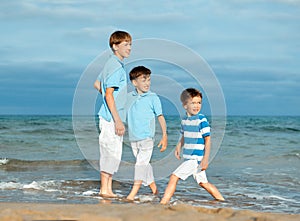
x=135, y=93
x=118, y=59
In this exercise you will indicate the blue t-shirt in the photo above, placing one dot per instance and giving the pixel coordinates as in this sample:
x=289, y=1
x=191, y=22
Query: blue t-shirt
x=113, y=75
x=194, y=130
x=142, y=111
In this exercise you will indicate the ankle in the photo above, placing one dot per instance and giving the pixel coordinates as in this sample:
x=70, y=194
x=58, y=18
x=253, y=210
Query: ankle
x=164, y=201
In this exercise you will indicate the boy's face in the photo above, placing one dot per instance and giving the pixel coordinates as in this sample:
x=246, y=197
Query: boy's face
x=193, y=106
x=122, y=50
x=142, y=83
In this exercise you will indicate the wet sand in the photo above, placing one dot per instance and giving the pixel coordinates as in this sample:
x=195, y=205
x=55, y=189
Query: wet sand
x=130, y=212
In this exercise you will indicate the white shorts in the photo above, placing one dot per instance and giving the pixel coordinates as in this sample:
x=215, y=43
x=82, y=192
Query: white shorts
x=110, y=147
x=142, y=150
x=188, y=168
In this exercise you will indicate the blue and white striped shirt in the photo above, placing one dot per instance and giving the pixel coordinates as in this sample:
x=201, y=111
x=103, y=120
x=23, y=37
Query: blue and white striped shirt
x=194, y=130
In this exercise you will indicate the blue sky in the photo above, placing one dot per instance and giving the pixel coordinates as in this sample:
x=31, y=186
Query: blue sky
x=252, y=46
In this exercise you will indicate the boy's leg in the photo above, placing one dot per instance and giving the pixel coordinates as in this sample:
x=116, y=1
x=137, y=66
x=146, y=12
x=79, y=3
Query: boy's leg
x=143, y=172
x=109, y=186
x=137, y=183
x=103, y=185
x=135, y=188
x=201, y=179
x=212, y=190
x=153, y=187
x=110, y=154
x=185, y=169
x=106, y=185
x=150, y=178
x=170, y=189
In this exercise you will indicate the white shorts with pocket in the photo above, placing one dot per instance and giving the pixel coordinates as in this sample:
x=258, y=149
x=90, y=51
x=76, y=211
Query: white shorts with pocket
x=110, y=147
x=188, y=168
x=142, y=150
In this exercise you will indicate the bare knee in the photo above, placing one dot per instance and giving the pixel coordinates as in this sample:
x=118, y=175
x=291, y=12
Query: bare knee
x=204, y=185
x=174, y=179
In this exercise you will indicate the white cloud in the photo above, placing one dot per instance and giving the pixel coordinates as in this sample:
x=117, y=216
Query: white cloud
x=243, y=40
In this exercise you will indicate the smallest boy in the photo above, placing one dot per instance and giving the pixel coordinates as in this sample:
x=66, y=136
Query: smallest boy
x=195, y=138
x=144, y=107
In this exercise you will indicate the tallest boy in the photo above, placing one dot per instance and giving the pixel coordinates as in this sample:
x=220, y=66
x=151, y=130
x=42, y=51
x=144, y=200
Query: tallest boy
x=111, y=83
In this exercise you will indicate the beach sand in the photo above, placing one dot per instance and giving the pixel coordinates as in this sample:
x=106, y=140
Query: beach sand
x=130, y=212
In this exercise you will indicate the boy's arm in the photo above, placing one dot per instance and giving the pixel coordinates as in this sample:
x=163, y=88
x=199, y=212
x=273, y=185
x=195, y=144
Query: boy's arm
x=119, y=126
x=204, y=161
x=97, y=85
x=178, y=147
x=164, y=140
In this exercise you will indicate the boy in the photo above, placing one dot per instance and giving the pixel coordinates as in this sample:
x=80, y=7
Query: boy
x=196, y=141
x=110, y=82
x=144, y=106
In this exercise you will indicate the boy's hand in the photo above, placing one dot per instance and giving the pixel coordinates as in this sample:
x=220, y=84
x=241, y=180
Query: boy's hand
x=177, y=154
x=163, y=143
x=177, y=151
x=204, y=163
x=119, y=128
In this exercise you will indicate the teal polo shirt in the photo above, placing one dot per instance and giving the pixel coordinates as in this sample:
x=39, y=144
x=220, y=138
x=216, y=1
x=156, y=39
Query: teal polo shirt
x=113, y=75
x=142, y=111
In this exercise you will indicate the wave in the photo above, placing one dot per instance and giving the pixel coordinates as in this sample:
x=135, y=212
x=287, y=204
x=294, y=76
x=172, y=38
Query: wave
x=16, y=164
x=77, y=191
x=50, y=185
x=80, y=186
x=4, y=161
x=279, y=129
x=48, y=131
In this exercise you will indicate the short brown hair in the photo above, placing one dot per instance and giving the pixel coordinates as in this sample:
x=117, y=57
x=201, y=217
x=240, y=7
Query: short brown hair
x=138, y=71
x=117, y=37
x=189, y=93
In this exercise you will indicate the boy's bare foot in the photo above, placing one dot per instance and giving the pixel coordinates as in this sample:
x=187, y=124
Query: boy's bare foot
x=108, y=195
x=164, y=201
x=129, y=200
x=156, y=192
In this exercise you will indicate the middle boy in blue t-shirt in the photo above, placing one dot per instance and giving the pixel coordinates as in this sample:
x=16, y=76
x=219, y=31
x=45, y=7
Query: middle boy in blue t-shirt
x=144, y=107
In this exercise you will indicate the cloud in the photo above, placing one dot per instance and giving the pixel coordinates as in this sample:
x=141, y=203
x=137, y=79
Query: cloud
x=30, y=10
x=37, y=87
x=251, y=44
x=38, y=75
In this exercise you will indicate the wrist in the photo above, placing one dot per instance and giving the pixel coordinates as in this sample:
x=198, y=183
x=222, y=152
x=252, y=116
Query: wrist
x=118, y=121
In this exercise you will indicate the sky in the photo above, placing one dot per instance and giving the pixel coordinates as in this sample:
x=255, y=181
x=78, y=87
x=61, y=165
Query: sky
x=253, y=48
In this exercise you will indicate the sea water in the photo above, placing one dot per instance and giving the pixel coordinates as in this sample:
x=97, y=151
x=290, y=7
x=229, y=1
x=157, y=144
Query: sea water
x=257, y=165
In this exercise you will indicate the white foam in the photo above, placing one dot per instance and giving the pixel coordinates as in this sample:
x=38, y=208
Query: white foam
x=10, y=185
x=144, y=198
x=34, y=185
x=264, y=196
x=48, y=186
x=282, y=198
x=41, y=185
x=3, y=161
x=89, y=193
x=51, y=190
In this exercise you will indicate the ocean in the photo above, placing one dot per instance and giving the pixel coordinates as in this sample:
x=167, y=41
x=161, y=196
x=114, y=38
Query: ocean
x=256, y=167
